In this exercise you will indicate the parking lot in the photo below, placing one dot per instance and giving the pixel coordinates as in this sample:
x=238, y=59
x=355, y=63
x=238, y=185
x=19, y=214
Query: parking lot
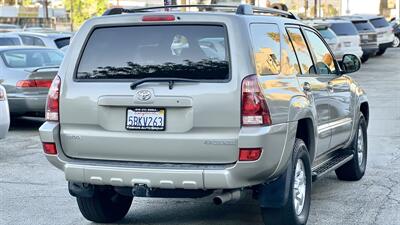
x=34, y=192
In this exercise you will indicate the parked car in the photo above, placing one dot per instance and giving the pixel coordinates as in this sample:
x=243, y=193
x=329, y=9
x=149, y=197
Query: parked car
x=346, y=34
x=50, y=40
x=329, y=36
x=7, y=39
x=130, y=117
x=396, y=29
x=4, y=113
x=9, y=28
x=384, y=30
x=27, y=73
x=368, y=36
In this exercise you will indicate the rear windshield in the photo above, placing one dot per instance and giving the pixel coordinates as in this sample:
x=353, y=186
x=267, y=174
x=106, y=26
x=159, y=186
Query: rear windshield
x=379, y=23
x=363, y=26
x=5, y=41
x=136, y=52
x=344, y=29
x=327, y=34
x=61, y=42
x=28, y=58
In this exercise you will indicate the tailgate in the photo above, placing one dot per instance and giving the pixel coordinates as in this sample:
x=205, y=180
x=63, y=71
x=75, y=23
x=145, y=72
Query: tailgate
x=102, y=117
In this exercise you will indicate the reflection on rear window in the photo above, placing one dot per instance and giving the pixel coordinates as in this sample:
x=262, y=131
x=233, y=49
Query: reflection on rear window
x=344, y=29
x=6, y=41
x=135, y=52
x=379, y=23
x=30, y=58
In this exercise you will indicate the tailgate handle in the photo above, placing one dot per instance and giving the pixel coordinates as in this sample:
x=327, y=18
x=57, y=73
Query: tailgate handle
x=129, y=100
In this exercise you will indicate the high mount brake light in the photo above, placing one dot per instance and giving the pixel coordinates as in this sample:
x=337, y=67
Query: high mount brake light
x=154, y=18
x=255, y=110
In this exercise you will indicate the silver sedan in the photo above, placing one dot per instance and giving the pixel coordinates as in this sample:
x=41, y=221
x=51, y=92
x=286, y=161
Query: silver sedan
x=27, y=73
x=4, y=113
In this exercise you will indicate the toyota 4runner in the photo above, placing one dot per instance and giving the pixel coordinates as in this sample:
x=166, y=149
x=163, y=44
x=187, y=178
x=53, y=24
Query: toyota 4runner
x=206, y=103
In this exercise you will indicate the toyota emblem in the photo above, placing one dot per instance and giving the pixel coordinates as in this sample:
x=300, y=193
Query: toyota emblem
x=143, y=95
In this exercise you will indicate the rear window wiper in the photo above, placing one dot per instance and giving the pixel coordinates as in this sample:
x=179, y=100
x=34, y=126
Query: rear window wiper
x=171, y=81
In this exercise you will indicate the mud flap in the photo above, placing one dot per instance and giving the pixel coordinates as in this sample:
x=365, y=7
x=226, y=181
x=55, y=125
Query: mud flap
x=81, y=189
x=275, y=194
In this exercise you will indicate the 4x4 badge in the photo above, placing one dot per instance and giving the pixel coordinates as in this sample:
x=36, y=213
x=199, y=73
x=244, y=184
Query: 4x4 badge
x=143, y=95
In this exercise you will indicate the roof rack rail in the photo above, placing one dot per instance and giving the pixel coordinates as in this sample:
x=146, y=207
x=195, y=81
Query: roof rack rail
x=242, y=9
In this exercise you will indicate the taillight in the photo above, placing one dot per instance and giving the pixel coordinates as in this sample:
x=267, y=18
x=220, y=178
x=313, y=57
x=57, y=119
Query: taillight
x=249, y=154
x=254, y=106
x=34, y=83
x=50, y=148
x=52, y=106
x=153, y=18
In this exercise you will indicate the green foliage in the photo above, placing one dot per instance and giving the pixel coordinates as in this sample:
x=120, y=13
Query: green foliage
x=85, y=9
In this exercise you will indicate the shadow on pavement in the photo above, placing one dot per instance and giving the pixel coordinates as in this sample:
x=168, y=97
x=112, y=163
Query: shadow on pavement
x=26, y=123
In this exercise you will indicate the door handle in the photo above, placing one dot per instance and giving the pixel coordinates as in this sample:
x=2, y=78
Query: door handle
x=306, y=87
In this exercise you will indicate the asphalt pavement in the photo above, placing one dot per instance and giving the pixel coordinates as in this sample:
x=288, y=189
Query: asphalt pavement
x=34, y=192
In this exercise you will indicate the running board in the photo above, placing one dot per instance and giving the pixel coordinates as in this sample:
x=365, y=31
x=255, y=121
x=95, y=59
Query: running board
x=331, y=164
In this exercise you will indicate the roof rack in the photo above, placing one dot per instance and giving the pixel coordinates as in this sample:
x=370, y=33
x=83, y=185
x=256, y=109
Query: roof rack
x=242, y=9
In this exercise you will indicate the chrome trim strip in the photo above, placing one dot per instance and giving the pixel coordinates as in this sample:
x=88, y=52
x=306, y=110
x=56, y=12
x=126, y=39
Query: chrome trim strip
x=332, y=125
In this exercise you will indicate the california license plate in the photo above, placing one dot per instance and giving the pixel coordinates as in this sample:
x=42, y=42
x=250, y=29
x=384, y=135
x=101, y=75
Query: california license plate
x=145, y=119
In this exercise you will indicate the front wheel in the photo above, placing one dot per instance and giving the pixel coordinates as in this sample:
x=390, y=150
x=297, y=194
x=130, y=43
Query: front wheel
x=355, y=169
x=105, y=206
x=297, y=208
x=364, y=58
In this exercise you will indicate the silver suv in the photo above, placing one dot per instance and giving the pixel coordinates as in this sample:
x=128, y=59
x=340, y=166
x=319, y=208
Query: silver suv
x=192, y=104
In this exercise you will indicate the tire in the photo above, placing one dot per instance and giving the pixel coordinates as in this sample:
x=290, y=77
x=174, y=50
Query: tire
x=355, y=169
x=288, y=214
x=396, y=42
x=364, y=58
x=381, y=51
x=105, y=206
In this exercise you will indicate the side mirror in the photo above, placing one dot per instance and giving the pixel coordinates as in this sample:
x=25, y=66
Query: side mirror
x=350, y=63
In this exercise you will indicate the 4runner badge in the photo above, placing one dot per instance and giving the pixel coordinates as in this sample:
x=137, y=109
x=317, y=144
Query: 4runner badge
x=143, y=95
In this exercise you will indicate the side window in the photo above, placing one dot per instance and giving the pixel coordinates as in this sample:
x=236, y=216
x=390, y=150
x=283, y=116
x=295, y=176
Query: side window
x=300, y=47
x=37, y=41
x=325, y=63
x=27, y=40
x=267, y=48
x=289, y=63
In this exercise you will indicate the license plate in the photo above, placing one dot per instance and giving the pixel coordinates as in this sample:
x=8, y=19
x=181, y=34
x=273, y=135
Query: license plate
x=145, y=119
x=365, y=37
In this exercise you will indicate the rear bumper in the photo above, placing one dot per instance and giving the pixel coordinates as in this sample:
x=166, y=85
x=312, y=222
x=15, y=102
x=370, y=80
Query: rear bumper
x=4, y=119
x=369, y=51
x=277, y=147
x=22, y=104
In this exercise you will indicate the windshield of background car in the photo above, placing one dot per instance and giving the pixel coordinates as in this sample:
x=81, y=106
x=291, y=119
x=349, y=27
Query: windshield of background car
x=135, y=52
x=7, y=41
x=363, y=26
x=379, y=23
x=344, y=29
x=327, y=34
x=28, y=58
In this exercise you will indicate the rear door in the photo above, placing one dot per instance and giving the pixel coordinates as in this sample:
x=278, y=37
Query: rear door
x=102, y=117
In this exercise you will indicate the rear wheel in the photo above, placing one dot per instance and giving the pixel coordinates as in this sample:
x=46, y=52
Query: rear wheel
x=381, y=51
x=355, y=169
x=364, y=58
x=297, y=208
x=105, y=206
x=396, y=42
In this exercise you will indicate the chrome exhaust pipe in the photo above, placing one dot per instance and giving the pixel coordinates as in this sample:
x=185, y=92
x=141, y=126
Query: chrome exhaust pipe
x=229, y=196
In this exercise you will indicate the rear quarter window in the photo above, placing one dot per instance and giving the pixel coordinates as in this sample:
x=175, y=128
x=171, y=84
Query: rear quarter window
x=173, y=51
x=61, y=42
x=266, y=48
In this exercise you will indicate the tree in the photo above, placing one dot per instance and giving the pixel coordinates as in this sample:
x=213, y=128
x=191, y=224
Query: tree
x=84, y=9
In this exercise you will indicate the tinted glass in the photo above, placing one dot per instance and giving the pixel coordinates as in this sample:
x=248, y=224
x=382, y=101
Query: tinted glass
x=327, y=34
x=324, y=60
x=31, y=58
x=61, y=42
x=301, y=50
x=135, y=52
x=343, y=29
x=363, y=26
x=380, y=22
x=289, y=63
x=266, y=47
x=9, y=41
x=34, y=41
